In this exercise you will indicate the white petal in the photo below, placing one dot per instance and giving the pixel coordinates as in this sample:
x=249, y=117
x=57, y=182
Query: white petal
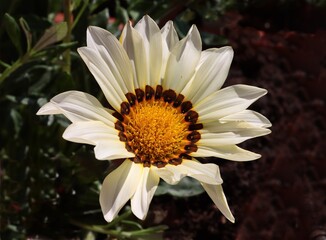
x=78, y=106
x=182, y=61
x=167, y=175
x=112, y=52
x=112, y=89
x=169, y=40
x=49, y=109
x=227, y=101
x=230, y=152
x=133, y=44
x=152, y=40
x=211, y=73
x=108, y=145
x=234, y=124
x=90, y=132
x=217, y=195
x=207, y=173
x=145, y=191
x=231, y=136
x=118, y=187
x=253, y=118
x=111, y=150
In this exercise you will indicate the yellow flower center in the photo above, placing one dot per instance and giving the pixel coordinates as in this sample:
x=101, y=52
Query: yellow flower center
x=156, y=130
x=158, y=127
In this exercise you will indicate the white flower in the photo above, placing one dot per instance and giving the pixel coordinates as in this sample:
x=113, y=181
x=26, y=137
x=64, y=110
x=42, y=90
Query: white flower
x=168, y=109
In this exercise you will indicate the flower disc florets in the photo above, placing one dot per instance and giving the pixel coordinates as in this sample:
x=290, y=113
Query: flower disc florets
x=158, y=126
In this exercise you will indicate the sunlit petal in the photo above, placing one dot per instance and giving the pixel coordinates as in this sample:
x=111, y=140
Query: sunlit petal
x=152, y=40
x=227, y=101
x=217, y=195
x=182, y=61
x=211, y=73
x=111, y=88
x=144, y=193
x=77, y=106
x=118, y=187
x=134, y=45
x=109, y=48
x=229, y=152
x=105, y=139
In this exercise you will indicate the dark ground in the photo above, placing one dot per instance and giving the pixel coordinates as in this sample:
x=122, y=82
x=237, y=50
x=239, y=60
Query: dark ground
x=283, y=194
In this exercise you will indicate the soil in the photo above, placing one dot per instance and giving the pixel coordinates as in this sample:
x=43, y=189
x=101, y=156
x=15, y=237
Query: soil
x=283, y=194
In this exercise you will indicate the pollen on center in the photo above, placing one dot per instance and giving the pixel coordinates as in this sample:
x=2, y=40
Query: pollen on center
x=156, y=131
x=158, y=127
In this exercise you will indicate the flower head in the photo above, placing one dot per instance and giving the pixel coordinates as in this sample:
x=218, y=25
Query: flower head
x=168, y=109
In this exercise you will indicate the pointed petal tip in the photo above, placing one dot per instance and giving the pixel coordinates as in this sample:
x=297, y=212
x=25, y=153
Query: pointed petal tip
x=92, y=29
x=229, y=49
x=40, y=111
x=48, y=109
x=108, y=217
x=231, y=219
x=139, y=214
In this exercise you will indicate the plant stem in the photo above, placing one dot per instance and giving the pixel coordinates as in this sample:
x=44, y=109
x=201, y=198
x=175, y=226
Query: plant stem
x=82, y=10
x=67, y=39
x=9, y=70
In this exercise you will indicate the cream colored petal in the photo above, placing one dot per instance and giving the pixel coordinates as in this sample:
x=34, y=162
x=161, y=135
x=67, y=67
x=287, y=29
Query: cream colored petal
x=142, y=198
x=167, y=175
x=111, y=88
x=253, y=118
x=49, y=109
x=133, y=44
x=210, y=75
x=112, y=52
x=207, y=173
x=111, y=150
x=77, y=106
x=169, y=40
x=230, y=152
x=227, y=101
x=108, y=145
x=90, y=132
x=152, y=40
x=215, y=192
x=235, y=124
x=182, y=61
x=232, y=136
x=118, y=187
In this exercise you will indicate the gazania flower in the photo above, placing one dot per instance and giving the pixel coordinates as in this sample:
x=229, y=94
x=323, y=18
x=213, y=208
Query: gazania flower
x=168, y=109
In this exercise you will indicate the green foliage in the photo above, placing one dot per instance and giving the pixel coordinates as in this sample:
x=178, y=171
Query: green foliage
x=187, y=187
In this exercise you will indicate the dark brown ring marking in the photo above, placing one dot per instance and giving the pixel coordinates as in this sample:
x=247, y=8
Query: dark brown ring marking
x=140, y=94
x=191, y=116
x=131, y=98
x=149, y=92
x=194, y=136
x=169, y=96
x=178, y=100
x=186, y=106
x=196, y=126
x=125, y=108
x=158, y=92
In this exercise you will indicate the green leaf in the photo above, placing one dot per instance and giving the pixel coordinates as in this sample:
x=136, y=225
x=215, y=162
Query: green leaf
x=13, y=31
x=17, y=120
x=27, y=32
x=52, y=35
x=187, y=187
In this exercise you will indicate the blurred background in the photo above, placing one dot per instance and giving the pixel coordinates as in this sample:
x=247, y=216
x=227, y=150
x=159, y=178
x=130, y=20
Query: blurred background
x=50, y=187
